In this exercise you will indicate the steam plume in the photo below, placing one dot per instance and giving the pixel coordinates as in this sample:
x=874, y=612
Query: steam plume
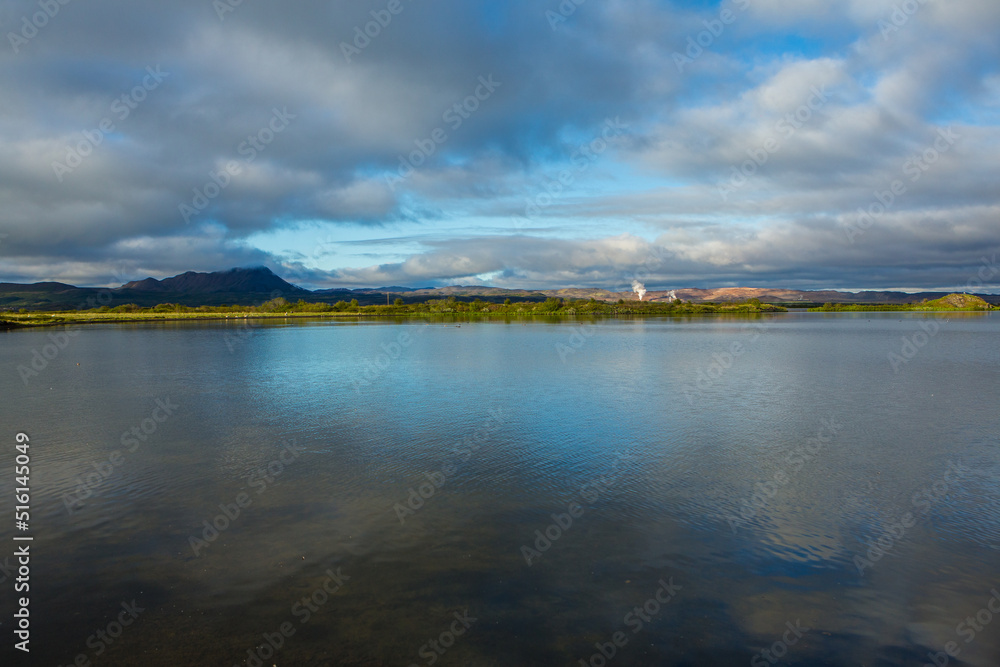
x=638, y=288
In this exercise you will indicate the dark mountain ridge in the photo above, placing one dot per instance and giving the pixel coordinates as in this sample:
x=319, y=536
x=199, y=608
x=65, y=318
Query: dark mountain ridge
x=257, y=279
x=253, y=286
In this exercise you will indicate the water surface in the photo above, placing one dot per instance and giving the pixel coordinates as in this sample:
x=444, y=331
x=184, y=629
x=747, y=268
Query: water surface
x=752, y=464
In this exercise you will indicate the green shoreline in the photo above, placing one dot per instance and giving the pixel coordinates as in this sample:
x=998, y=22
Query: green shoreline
x=952, y=302
x=62, y=319
x=450, y=308
x=281, y=308
x=53, y=320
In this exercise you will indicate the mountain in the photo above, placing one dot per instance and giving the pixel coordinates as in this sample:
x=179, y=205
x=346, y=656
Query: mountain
x=37, y=287
x=235, y=286
x=257, y=280
x=250, y=286
x=44, y=296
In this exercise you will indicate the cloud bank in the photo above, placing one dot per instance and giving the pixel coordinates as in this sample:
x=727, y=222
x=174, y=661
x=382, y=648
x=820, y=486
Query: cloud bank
x=522, y=144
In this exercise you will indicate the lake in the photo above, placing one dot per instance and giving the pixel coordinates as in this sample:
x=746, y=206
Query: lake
x=803, y=488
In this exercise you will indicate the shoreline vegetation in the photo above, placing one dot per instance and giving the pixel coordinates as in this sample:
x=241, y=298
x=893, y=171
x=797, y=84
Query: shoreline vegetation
x=281, y=307
x=443, y=308
x=966, y=302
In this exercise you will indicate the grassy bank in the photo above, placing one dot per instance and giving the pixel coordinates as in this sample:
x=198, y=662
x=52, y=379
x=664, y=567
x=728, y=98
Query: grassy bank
x=280, y=308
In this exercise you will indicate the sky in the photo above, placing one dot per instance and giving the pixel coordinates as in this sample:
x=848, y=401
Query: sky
x=805, y=144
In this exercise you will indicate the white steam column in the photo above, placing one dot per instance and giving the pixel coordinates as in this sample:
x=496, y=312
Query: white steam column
x=639, y=289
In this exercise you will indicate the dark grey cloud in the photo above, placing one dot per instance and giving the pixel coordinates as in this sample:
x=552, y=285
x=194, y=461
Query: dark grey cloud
x=883, y=97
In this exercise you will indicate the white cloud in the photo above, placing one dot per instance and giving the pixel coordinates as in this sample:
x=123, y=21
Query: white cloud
x=888, y=94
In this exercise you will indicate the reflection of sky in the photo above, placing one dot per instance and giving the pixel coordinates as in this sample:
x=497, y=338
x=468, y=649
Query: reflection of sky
x=565, y=425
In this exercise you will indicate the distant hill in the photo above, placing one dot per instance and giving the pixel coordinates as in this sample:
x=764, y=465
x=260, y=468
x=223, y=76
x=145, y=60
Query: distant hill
x=258, y=279
x=787, y=296
x=44, y=296
x=250, y=286
x=695, y=295
x=36, y=287
x=245, y=286
x=960, y=301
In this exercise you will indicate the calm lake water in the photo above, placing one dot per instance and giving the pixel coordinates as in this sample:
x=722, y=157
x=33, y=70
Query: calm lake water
x=685, y=491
